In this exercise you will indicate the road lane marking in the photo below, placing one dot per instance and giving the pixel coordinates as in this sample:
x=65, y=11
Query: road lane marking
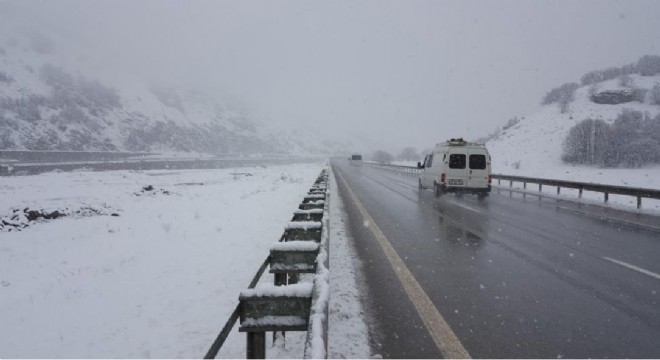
x=466, y=207
x=633, y=267
x=443, y=336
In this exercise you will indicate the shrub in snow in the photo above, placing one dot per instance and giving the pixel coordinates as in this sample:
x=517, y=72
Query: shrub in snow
x=639, y=94
x=382, y=157
x=5, y=78
x=562, y=95
x=6, y=141
x=649, y=65
x=511, y=123
x=626, y=81
x=654, y=95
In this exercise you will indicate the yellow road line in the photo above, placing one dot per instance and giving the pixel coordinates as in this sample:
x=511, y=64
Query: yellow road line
x=442, y=334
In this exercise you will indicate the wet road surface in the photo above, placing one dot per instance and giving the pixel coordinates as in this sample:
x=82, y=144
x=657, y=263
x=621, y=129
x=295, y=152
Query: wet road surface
x=512, y=277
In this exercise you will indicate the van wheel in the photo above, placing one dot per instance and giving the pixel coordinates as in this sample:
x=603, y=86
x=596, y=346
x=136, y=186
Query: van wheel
x=437, y=191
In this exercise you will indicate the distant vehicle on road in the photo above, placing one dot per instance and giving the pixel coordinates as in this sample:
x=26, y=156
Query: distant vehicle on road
x=456, y=166
x=356, y=159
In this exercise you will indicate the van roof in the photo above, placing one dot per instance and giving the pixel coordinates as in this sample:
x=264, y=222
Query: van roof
x=459, y=142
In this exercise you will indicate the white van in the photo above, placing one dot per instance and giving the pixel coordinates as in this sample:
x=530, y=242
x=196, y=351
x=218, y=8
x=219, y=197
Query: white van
x=456, y=166
x=356, y=159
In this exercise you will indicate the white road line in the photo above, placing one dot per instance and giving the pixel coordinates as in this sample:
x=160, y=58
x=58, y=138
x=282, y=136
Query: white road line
x=443, y=336
x=633, y=267
x=466, y=207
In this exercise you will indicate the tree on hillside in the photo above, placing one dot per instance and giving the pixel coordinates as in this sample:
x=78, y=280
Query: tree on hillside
x=632, y=140
x=655, y=95
x=382, y=157
x=649, y=65
x=408, y=154
x=588, y=143
x=610, y=73
x=562, y=95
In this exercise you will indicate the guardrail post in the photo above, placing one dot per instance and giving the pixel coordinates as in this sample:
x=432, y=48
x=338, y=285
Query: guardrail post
x=279, y=280
x=580, y=194
x=607, y=197
x=256, y=345
x=558, y=189
x=639, y=202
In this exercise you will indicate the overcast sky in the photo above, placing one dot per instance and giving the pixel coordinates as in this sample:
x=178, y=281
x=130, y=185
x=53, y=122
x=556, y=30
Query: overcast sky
x=393, y=72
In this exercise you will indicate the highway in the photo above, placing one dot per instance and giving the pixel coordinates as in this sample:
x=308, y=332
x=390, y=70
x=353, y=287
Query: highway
x=504, y=277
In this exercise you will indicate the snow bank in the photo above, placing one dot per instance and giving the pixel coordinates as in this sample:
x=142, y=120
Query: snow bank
x=305, y=225
x=274, y=321
x=315, y=196
x=295, y=246
x=268, y=290
x=309, y=211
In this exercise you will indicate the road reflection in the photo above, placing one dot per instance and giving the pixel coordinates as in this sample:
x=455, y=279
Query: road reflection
x=460, y=220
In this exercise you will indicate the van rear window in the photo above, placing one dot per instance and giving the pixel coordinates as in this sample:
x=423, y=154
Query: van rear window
x=478, y=162
x=457, y=161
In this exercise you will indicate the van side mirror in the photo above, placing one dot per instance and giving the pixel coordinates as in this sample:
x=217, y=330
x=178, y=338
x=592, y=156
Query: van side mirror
x=419, y=165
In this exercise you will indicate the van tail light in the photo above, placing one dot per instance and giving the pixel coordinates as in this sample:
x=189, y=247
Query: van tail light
x=490, y=179
x=442, y=177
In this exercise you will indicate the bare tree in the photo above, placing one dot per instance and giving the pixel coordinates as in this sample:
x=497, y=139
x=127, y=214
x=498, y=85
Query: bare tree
x=382, y=157
x=408, y=154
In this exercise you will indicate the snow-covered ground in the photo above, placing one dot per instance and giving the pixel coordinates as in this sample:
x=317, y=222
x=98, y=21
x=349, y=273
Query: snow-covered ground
x=159, y=279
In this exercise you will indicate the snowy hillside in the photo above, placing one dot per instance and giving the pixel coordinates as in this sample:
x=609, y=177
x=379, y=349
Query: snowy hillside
x=51, y=100
x=533, y=147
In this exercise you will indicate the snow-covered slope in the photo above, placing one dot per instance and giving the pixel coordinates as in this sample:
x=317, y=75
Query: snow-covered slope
x=50, y=99
x=533, y=147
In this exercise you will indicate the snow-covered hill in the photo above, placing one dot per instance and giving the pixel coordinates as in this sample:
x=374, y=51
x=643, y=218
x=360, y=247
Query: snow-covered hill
x=50, y=99
x=533, y=147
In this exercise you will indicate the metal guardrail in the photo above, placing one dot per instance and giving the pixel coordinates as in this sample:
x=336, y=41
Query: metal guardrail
x=317, y=328
x=402, y=168
x=639, y=193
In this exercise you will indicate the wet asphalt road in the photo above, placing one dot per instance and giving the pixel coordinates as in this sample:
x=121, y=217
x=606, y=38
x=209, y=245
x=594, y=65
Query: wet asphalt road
x=513, y=277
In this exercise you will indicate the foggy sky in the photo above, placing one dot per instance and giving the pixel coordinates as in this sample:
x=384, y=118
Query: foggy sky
x=395, y=73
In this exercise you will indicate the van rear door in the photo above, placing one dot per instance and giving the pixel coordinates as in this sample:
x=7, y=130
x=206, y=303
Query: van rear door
x=477, y=168
x=457, y=174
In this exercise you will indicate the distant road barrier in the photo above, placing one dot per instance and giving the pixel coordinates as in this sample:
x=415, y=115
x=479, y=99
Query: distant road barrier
x=14, y=168
x=288, y=305
x=639, y=193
